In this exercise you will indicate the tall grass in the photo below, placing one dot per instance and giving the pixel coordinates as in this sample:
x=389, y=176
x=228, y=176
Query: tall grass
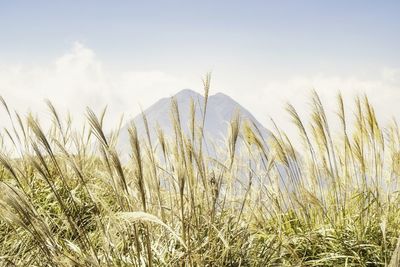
x=68, y=199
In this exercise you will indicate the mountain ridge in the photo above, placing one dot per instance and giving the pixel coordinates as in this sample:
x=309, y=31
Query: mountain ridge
x=220, y=110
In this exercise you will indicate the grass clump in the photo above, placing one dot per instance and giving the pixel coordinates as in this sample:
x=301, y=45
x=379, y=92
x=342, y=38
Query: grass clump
x=67, y=202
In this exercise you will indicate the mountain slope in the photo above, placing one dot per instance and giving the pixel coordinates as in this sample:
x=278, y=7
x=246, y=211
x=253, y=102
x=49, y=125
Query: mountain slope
x=220, y=110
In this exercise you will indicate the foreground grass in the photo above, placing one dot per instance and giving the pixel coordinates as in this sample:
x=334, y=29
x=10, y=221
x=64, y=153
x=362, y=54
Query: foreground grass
x=65, y=202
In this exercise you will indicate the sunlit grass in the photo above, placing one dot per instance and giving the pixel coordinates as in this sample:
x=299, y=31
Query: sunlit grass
x=67, y=202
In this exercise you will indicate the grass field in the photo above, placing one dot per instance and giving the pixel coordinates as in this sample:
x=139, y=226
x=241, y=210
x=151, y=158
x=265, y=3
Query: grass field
x=66, y=198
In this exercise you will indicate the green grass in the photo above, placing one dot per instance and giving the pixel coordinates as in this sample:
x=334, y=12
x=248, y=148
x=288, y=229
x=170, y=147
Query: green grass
x=334, y=202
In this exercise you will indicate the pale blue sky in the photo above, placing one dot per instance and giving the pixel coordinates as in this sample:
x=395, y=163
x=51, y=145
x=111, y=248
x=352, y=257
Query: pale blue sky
x=262, y=53
x=275, y=36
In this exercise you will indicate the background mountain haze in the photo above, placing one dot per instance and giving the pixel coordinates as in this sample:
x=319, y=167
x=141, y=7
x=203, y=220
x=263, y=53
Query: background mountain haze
x=221, y=110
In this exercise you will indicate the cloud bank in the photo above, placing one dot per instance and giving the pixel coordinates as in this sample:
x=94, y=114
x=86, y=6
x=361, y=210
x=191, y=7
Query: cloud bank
x=79, y=79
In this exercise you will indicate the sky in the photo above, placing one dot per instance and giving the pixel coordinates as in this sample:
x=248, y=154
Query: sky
x=128, y=54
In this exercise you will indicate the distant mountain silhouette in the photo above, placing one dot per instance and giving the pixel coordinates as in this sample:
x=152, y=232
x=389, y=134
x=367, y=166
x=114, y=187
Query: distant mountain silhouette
x=220, y=110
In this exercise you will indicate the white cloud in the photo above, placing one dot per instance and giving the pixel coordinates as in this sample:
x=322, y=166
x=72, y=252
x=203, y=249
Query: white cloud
x=79, y=79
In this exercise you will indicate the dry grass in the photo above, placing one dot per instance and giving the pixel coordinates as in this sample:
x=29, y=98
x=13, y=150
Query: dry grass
x=335, y=202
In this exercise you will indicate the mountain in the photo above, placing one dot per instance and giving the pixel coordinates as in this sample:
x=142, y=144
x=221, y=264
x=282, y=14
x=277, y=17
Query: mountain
x=220, y=110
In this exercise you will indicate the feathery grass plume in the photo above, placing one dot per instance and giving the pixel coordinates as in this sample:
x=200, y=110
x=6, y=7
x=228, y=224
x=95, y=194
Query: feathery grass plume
x=162, y=141
x=110, y=157
x=206, y=86
x=4, y=103
x=234, y=129
x=315, y=175
x=138, y=165
x=56, y=119
x=154, y=174
x=325, y=149
x=97, y=125
x=345, y=157
x=192, y=121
